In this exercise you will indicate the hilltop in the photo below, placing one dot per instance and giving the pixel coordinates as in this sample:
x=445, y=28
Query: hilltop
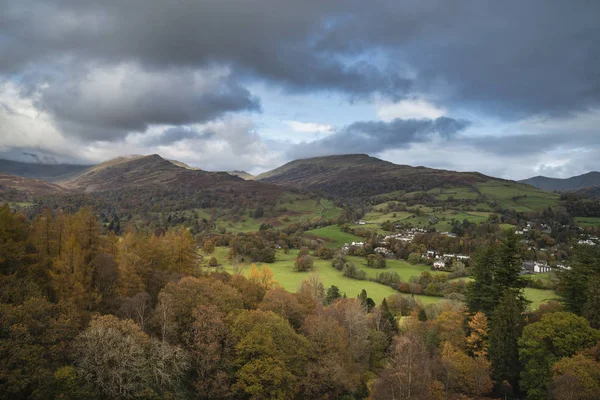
x=366, y=178
x=590, y=179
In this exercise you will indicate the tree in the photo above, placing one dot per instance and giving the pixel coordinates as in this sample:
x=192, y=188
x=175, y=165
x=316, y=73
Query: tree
x=464, y=374
x=422, y=315
x=557, y=335
x=332, y=294
x=303, y=264
x=375, y=261
x=122, y=361
x=477, y=340
x=576, y=378
x=450, y=328
x=330, y=372
x=591, y=308
x=573, y=283
x=262, y=276
x=213, y=262
x=211, y=346
x=496, y=271
x=285, y=304
x=208, y=246
x=506, y=325
x=407, y=375
x=390, y=324
x=270, y=356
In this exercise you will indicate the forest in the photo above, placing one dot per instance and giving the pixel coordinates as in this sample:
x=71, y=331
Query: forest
x=88, y=314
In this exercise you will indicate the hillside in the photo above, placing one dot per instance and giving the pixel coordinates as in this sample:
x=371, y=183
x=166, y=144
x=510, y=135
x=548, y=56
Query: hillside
x=148, y=188
x=575, y=182
x=147, y=171
x=242, y=174
x=18, y=189
x=359, y=175
x=47, y=172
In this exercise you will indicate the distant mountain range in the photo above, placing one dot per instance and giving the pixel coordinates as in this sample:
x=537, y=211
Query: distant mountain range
x=47, y=172
x=146, y=179
x=588, y=180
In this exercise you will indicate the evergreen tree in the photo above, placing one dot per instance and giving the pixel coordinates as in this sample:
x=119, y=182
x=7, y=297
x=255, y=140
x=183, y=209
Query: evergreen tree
x=391, y=325
x=573, y=283
x=332, y=294
x=506, y=326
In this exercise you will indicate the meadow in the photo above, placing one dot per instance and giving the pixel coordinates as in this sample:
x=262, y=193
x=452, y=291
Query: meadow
x=284, y=274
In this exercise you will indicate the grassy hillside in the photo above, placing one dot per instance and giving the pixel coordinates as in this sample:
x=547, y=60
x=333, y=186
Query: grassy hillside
x=358, y=176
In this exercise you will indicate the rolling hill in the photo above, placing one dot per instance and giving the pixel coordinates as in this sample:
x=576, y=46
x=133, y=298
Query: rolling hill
x=575, y=182
x=18, y=189
x=47, y=172
x=361, y=175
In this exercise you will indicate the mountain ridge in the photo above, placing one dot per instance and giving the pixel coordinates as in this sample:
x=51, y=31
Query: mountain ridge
x=587, y=180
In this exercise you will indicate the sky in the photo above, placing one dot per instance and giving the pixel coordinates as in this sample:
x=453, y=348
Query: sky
x=507, y=88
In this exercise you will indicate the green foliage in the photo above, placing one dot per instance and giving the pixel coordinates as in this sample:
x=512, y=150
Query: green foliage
x=578, y=286
x=557, y=335
x=506, y=325
x=495, y=272
x=332, y=294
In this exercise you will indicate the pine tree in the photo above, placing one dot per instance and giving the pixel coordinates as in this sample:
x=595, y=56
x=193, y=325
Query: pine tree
x=391, y=325
x=506, y=326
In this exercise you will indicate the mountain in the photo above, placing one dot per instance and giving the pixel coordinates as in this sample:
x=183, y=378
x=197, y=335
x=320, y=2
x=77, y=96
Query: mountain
x=18, y=189
x=47, y=172
x=242, y=174
x=360, y=175
x=153, y=172
x=575, y=182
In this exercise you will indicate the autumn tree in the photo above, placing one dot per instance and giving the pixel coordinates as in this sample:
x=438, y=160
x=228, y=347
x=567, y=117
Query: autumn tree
x=463, y=374
x=407, y=374
x=262, y=276
x=477, y=339
x=122, y=361
x=576, y=378
x=303, y=263
x=270, y=356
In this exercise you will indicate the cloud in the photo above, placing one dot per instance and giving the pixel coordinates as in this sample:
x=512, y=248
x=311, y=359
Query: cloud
x=410, y=108
x=377, y=136
x=309, y=127
x=174, y=135
x=107, y=103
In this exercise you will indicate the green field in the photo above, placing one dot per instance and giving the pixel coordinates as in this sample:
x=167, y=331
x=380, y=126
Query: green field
x=585, y=222
x=334, y=236
x=519, y=197
x=538, y=296
x=290, y=280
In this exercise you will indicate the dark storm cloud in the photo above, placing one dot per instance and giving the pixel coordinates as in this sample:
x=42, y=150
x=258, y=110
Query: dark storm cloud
x=377, y=136
x=105, y=103
x=173, y=135
x=510, y=58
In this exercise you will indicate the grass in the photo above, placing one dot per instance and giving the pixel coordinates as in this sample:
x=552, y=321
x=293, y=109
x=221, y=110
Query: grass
x=585, y=222
x=290, y=280
x=519, y=197
x=285, y=275
x=539, y=296
x=402, y=268
x=334, y=236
